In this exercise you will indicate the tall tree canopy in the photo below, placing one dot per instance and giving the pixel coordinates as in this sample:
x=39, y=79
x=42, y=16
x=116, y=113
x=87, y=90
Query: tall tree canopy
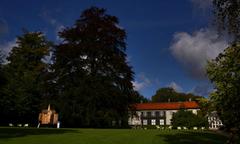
x=224, y=72
x=138, y=98
x=227, y=16
x=1, y=57
x=169, y=94
x=92, y=75
x=2, y=79
x=23, y=90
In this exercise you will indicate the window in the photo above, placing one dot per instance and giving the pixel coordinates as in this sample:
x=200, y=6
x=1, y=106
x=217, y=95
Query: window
x=161, y=113
x=148, y=114
x=144, y=114
x=153, y=122
x=161, y=122
x=144, y=122
x=153, y=113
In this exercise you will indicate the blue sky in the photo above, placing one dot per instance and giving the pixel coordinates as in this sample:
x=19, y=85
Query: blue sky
x=169, y=41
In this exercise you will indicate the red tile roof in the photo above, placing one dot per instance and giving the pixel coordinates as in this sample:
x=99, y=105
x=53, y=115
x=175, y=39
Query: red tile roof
x=167, y=105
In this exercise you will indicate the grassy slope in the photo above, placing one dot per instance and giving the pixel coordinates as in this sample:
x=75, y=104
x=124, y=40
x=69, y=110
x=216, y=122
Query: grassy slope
x=105, y=136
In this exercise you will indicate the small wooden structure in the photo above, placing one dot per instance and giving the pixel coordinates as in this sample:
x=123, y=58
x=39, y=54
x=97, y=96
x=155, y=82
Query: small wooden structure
x=48, y=117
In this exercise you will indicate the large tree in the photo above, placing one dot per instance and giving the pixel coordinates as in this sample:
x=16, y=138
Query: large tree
x=2, y=79
x=24, y=72
x=92, y=75
x=227, y=17
x=223, y=71
x=1, y=57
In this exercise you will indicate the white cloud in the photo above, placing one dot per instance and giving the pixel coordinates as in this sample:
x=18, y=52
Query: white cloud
x=129, y=58
x=57, y=30
x=7, y=47
x=141, y=83
x=193, y=50
x=202, y=89
x=175, y=86
x=138, y=85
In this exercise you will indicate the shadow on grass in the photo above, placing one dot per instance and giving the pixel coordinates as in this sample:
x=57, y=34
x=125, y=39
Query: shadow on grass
x=6, y=133
x=190, y=137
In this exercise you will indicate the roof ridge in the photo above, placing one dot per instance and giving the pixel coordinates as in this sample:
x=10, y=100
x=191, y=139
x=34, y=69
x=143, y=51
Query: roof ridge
x=168, y=102
x=166, y=105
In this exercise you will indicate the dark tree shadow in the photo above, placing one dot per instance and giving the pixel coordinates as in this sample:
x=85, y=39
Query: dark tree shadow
x=6, y=133
x=188, y=137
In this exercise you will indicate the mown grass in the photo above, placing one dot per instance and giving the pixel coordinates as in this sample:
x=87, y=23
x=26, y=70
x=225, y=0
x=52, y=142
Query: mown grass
x=106, y=136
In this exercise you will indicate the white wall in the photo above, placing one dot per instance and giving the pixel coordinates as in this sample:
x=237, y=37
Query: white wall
x=169, y=114
x=136, y=119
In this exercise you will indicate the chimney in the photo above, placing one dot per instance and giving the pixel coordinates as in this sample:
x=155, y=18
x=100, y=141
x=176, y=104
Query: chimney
x=190, y=99
x=169, y=100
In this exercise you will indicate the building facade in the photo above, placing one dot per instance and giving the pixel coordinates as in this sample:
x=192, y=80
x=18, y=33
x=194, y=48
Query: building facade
x=214, y=121
x=159, y=113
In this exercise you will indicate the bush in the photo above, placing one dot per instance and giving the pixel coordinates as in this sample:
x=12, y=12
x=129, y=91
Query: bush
x=187, y=119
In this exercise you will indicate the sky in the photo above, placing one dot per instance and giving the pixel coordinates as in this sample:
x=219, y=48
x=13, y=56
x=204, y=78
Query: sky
x=168, y=41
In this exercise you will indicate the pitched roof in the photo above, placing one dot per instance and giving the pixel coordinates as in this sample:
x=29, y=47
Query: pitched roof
x=167, y=106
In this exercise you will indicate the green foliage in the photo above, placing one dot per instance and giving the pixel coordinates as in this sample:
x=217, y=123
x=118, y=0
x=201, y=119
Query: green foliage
x=1, y=57
x=21, y=95
x=2, y=80
x=139, y=98
x=206, y=106
x=224, y=72
x=188, y=119
x=93, y=79
x=169, y=94
x=2, y=77
x=227, y=16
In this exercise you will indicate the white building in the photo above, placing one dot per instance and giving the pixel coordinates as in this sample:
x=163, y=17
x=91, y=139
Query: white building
x=214, y=121
x=159, y=113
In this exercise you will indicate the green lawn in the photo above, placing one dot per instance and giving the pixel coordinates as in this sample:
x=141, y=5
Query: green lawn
x=106, y=136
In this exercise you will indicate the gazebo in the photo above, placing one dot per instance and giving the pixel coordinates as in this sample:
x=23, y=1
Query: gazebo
x=48, y=117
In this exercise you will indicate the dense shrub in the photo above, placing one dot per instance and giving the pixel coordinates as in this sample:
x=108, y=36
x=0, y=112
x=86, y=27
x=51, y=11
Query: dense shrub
x=188, y=119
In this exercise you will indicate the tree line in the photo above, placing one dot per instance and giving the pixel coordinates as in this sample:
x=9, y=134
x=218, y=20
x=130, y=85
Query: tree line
x=168, y=94
x=87, y=80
